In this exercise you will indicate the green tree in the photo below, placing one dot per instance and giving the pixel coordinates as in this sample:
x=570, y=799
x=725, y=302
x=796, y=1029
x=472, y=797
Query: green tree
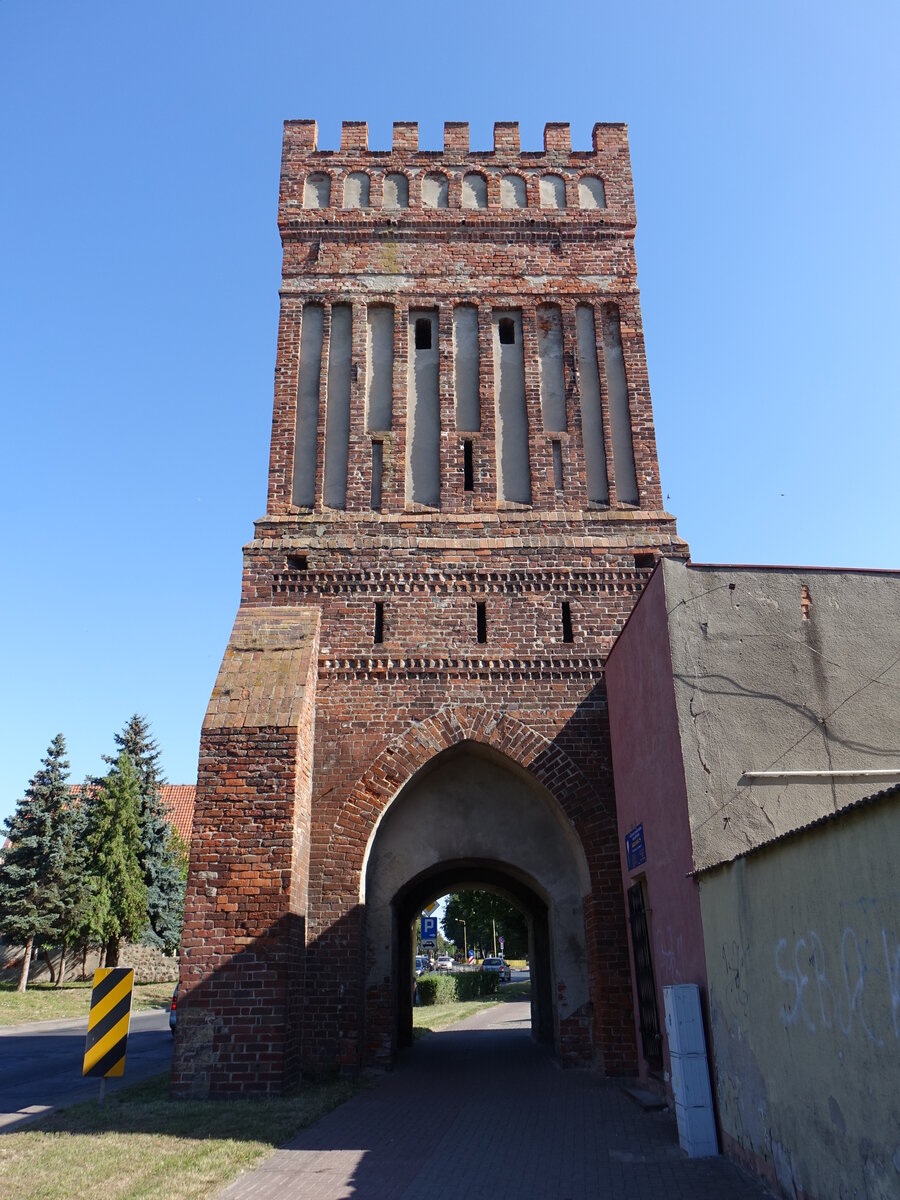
x=31, y=903
x=482, y=912
x=161, y=850
x=113, y=842
x=74, y=887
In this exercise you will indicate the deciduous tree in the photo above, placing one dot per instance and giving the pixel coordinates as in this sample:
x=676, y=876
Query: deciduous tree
x=482, y=913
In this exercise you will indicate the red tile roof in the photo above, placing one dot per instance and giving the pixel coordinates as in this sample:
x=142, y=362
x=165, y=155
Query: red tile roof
x=178, y=799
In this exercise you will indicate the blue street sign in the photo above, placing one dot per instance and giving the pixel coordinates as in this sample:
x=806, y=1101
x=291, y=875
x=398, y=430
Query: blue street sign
x=635, y=847
x=429, y=929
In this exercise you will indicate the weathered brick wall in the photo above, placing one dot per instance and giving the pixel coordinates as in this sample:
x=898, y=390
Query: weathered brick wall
x=245, y=907
x=372, y=713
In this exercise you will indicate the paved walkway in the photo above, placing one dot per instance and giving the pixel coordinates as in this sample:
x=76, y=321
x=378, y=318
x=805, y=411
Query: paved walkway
x=481, y=1112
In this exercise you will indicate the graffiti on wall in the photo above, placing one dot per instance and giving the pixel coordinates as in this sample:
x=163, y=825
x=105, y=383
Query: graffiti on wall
x=735, y=958
x=669, y=955
x=849, y=980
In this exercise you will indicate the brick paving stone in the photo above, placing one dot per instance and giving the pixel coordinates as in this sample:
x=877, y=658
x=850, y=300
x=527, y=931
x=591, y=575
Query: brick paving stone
x=482, y=1111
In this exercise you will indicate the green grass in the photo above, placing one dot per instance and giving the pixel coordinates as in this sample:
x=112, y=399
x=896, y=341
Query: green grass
x=142, y=1146
x=438, y=1016
x=44, y=1002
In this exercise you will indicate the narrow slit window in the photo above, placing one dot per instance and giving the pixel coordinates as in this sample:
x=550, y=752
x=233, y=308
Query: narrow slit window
x=481, y=621
x=557, y=466
x=468, y=469
x=423, y=333
x=507, y=330
x=568, y=636
x=378, y=634
x=297, y=562
x=377, y=474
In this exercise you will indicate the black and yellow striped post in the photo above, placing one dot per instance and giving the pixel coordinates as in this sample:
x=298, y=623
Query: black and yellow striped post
x=107, y=1035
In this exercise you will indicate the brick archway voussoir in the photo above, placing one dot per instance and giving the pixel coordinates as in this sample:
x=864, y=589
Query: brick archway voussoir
x=411, y=750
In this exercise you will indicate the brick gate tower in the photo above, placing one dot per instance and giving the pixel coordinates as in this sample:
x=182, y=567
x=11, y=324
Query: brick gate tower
x=464, y=502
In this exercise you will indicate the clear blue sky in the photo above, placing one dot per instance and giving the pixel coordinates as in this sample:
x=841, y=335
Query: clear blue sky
x=140, y=267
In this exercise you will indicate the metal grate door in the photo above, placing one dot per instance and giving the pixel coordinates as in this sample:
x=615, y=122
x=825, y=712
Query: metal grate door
x=643, y=971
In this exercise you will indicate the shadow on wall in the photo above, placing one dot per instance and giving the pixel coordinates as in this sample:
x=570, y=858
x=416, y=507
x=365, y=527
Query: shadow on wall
x=279, y=1006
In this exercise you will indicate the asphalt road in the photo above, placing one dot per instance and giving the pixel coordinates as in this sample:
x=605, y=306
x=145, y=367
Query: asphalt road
x=40, y=1064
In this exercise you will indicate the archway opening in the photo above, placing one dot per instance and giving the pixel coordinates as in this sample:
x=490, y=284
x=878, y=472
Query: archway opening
x=476, y=877
x=471, y=818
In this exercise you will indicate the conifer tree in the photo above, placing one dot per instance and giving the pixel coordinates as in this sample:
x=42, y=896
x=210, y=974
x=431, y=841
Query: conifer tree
x=74, y=884
x=113, y=840
x=160, y=853
x=30, y=901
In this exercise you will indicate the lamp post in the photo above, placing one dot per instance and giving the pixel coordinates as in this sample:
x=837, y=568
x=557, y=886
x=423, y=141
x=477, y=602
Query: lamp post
x=465, y=945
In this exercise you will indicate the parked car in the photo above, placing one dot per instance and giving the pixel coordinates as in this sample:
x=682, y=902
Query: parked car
x=173, y=1016
x=500, y=966
x=421, y=964
x=444, y=964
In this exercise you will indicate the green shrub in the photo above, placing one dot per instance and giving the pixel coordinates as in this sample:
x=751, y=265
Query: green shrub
x=450, y=989
x=472, y=985
x=426, y=989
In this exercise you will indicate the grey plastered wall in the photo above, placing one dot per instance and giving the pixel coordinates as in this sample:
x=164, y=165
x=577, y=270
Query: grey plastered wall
x=787, y=669
x=802, y=945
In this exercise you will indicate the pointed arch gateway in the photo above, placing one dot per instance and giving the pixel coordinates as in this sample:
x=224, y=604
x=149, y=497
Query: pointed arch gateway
x=474, y=798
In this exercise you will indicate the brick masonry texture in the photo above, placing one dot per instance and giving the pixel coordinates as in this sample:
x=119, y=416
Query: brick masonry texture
x=314, y=726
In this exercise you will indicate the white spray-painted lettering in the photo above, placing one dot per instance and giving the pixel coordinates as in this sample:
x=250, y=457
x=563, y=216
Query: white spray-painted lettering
x=669, y=955
x=736, y=994
x=893, y=974
x=808, y=963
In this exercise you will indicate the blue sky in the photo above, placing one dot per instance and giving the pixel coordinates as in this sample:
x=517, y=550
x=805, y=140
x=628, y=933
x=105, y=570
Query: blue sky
x=140, y=267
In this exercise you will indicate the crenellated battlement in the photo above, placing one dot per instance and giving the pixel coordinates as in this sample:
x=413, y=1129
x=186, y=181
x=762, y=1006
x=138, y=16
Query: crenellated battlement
x=557, y=181
x=304, y=135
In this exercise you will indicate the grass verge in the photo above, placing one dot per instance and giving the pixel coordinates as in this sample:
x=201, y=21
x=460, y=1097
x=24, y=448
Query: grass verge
x=437, y=1016
x=44, y=1002
x=142, y=1146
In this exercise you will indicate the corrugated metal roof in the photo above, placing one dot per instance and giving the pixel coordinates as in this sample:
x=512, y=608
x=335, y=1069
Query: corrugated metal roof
x=827, y=818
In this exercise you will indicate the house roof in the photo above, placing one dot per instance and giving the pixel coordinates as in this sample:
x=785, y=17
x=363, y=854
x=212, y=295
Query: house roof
x=180, y=799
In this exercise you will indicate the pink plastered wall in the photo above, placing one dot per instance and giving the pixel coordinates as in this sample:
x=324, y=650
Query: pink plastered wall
x=650, y=791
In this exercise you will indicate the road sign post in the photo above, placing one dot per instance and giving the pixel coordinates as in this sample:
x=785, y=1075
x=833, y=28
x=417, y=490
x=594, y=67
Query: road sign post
x=108, y=1024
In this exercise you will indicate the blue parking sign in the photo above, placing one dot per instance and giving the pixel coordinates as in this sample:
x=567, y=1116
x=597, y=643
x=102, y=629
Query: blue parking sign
x=429, y=929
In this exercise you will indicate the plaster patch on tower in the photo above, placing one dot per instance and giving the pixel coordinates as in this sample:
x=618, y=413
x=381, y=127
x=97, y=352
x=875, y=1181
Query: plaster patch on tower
x=423, y=426
x=474, y=191
x=512, y=192
x=619, y=414
x=435, y=190
x=591, y=411
x=550, y=360
x=513, y=465
x=465, y=368
x=337, y=407
x=306, y=432
x=379, y=367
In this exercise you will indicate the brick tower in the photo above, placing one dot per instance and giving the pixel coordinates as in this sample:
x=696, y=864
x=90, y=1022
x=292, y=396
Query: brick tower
x=464, y=502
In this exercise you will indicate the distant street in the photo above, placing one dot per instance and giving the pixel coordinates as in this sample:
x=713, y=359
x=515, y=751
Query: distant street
x=40, y=1064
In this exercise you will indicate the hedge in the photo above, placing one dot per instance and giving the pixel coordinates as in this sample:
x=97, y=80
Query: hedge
x=450, y=989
